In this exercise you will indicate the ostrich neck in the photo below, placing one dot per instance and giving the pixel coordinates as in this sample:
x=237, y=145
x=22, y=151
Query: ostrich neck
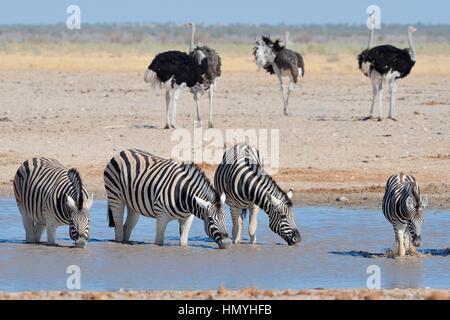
x=191, y=45
x=411, y=46
x=369, y=45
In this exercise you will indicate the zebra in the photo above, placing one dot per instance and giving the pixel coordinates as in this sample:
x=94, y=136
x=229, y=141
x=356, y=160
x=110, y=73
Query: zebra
x=241, y=177
x=403, y=207
x=50, y=195
x=163, y=189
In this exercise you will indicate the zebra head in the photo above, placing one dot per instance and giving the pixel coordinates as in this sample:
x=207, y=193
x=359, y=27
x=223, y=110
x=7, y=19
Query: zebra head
x=281, y=218
x=263, y=52
x=416, y=206
x=79, y=220
x=214, y=218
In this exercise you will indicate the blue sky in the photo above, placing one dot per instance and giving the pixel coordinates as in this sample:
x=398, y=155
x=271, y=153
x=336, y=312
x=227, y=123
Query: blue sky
x=226, y=11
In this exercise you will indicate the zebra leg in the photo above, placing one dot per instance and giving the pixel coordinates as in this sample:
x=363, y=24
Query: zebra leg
x=130, y=223
x=236, y=218
x=51, y=234
x=117, y=213
x=393, y=91
x=401, y=242
x=168, y=109
x=161, y=224
x=211, y=94
x=38, y=230
x=185, y=226
x=253, y=223
x=198, y=121
x=28, y=225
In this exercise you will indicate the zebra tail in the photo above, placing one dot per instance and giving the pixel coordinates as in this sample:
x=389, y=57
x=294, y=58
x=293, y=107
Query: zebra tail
x=110, y=218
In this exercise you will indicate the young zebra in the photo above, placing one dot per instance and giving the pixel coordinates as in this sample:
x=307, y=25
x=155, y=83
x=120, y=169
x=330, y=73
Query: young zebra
x=49, y=195
x=165, y=190
x=241, y=177
x=403, y=207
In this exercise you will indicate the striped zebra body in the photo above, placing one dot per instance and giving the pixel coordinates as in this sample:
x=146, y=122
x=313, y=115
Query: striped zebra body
x=403, y=207
x=241, y=177
x=163, y=189
x=49, y=195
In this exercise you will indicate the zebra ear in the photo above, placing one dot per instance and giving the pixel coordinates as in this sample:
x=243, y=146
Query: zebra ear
x=409, y=202
x=71, y=203
x=273, y=200
x=222, y=198
x=290, y=193
x=87, y=203
x=202, y=203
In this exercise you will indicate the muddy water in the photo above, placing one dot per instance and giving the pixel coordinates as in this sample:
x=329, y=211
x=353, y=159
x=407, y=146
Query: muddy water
x=338, y=245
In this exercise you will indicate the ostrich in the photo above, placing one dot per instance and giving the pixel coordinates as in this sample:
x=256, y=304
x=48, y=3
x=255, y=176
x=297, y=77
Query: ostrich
x=211, y=75
x=386, y=63
x=175, y=70
x=276, y=59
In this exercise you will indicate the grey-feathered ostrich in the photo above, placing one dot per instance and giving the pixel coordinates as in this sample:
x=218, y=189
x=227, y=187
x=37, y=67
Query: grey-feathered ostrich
x=276, y=59
x=210, y=77
x=386, y=63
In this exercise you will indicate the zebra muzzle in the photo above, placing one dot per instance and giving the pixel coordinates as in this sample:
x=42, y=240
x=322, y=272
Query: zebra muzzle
x=80, y=243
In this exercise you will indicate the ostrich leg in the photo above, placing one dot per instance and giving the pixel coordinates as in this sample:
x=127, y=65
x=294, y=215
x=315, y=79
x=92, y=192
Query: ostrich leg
x=278, y=73
x=211, y=93
x=168, y=104
x=176, y=95
x=290, y=88
x=380, y=96
x=198, y=121
x=393, y=90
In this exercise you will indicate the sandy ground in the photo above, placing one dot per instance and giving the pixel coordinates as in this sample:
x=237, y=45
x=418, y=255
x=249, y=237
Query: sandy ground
x=247, y=293
x=84, y=117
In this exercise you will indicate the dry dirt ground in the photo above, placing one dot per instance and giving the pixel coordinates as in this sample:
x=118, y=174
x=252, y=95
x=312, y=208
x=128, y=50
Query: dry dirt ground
x=247, y=293
x=83, y=117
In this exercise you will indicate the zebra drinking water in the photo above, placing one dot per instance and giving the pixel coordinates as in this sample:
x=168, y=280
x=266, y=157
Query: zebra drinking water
x=403, y=207
x=241, y=177
x=49, y=195
x=163, y=189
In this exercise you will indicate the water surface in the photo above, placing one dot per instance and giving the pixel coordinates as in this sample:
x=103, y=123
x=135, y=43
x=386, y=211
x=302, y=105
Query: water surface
x=337, y=247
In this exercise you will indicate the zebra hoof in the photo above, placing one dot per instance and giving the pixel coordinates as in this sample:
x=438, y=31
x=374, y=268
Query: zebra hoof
x=392, y=118
x=286, y=113
x=379, y=119
x=210, y=126
x=167, y=126
x=367, y=118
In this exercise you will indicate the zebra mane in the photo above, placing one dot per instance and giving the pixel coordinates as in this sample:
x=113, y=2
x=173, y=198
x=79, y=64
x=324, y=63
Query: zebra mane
x=75, y=178
x=195, y=170
x=268, y=180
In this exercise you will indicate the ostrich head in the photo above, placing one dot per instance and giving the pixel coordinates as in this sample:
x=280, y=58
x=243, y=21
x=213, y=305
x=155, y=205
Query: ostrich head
x=412, y=29
x=264, y=52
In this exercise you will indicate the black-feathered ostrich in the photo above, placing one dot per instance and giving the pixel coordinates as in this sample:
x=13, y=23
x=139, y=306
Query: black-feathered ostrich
x=175, y=70
x=277, y=59
x=386, y=63
x=211, y=76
